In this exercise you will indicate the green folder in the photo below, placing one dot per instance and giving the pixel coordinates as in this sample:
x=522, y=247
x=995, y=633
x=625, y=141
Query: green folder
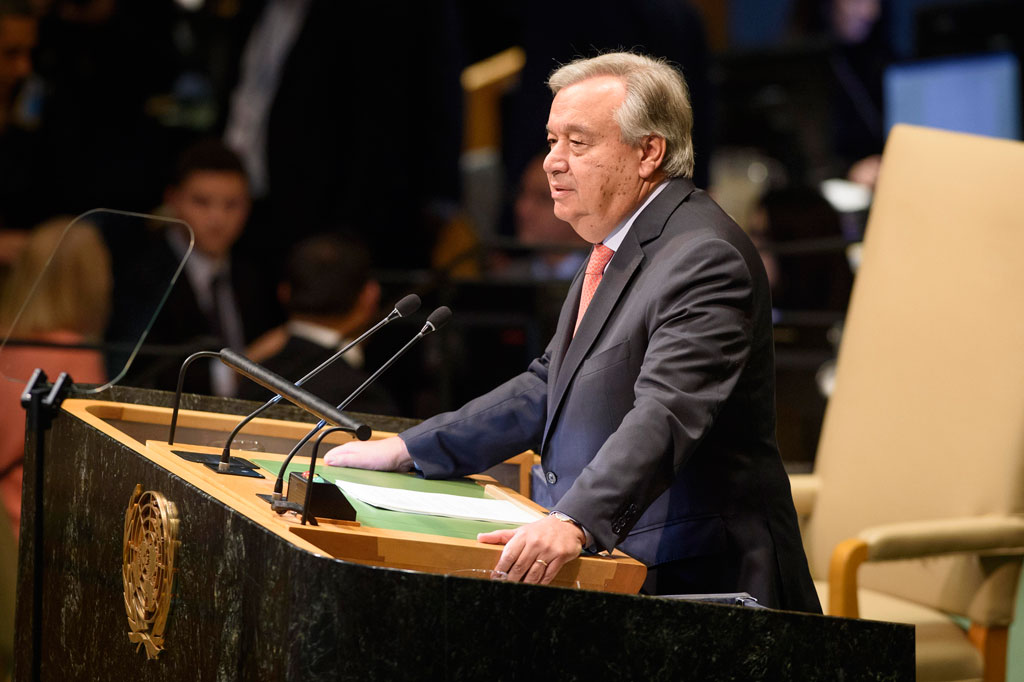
x=394, y=520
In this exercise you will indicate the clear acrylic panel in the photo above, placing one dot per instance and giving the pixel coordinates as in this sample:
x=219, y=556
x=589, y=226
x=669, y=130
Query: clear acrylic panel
x=83, y=295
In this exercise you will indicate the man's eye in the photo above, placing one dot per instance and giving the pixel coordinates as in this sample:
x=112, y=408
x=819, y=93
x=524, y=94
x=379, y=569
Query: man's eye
x=551, y=142
x=576, y=143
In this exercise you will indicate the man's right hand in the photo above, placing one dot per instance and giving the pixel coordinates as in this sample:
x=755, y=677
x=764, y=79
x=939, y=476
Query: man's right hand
x=388, y=454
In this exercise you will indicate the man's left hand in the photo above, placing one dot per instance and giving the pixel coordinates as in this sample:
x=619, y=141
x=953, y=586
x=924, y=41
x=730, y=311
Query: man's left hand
x=534, y=553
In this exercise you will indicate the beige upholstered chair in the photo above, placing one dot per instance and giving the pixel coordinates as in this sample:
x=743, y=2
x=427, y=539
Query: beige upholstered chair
x=919, y=474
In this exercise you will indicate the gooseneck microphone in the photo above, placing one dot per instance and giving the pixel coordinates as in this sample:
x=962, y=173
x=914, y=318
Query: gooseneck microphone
x=405, y=307
x=315, y=405
x=435, y=321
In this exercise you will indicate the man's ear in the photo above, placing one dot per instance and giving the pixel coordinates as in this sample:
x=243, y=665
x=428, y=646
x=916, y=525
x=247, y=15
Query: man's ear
x=652, y=153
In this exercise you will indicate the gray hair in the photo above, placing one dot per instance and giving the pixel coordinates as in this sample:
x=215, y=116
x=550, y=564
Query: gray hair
x=656, y=102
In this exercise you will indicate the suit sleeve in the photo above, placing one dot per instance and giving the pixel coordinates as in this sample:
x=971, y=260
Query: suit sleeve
x=486, y=430
x=699, y=329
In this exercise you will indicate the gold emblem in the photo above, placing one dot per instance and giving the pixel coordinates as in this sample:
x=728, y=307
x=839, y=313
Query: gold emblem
x=150, y=543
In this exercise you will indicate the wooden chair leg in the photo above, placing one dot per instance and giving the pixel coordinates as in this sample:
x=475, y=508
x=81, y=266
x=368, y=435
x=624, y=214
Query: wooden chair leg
x=991, y=641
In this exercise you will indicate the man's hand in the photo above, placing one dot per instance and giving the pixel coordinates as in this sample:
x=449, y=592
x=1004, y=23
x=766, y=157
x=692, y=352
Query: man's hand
x=388, y=454
x=534, y=553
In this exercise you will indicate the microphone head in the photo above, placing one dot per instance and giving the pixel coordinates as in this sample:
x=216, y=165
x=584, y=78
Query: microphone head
x=408, y=305
x=437, y=319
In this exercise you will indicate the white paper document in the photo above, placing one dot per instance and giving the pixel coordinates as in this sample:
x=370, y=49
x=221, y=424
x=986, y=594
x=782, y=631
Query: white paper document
x=438, y=504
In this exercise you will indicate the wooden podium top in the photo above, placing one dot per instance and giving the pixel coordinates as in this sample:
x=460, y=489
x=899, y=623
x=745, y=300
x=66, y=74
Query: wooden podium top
x=429, y=544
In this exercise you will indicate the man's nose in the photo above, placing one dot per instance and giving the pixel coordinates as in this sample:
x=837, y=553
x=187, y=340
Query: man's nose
x=554, y=162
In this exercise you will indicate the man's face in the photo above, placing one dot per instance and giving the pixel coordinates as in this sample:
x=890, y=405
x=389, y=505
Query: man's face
x=17, y=40
x=535, y=221
x=594, y=176
x=216, y=205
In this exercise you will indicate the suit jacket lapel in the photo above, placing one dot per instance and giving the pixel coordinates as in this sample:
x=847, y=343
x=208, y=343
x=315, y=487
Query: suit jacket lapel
x=620, y=270
x=566, y=322
x=572, y=351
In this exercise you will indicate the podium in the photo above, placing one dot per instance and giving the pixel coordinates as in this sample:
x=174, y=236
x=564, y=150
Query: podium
x=147, y=565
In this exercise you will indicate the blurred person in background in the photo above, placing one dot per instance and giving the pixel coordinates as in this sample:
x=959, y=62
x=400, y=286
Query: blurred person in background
x=331, y=299
x=19, y=142
x=18, y=36
x=556, y=251
x=858, y=55
x=816, y=275
x=70, y=306
x=221, y=299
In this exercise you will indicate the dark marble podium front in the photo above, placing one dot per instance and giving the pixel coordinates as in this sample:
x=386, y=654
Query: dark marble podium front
x=248, y=605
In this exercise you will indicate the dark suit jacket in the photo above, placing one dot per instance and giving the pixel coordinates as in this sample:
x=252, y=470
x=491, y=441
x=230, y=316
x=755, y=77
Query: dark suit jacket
x=656, y=423
x=333, y=384
x=142, y=273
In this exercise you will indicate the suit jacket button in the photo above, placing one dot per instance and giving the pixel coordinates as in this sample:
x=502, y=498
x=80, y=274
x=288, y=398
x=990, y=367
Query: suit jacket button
x=552, y=478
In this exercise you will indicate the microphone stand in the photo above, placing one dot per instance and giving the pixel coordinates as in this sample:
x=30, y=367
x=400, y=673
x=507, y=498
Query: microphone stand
x=435, y=321
x=406, y=306
x=312, y=473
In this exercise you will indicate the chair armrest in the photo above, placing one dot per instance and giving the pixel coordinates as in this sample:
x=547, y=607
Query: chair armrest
x=917, y=539
x=805, y=489
x=1000, y=535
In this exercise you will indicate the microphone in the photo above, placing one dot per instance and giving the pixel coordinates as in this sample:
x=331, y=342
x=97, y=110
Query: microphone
x=315, y=405
x=436, y=320
x=263, y=376
x=405, y=307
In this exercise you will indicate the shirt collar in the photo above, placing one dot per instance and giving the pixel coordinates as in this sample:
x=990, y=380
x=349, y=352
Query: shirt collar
x=326, y=337
x=614, y=240
x=201, y=268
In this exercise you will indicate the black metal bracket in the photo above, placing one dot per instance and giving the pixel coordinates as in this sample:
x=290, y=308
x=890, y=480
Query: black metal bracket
x=42, y=401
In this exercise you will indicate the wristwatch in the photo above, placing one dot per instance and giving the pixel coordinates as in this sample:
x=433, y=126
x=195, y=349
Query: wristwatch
x=568, y=519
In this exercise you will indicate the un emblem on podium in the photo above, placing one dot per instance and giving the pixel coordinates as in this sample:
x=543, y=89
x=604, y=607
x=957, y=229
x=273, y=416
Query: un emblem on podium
x=150, y=543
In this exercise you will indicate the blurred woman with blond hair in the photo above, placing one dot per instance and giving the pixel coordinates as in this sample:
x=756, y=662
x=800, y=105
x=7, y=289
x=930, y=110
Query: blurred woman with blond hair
x=69, y=306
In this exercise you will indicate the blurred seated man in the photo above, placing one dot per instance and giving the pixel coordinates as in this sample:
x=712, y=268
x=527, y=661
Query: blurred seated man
x=810, y=280
x=330, y=299
x=558, y=252
x=220, y=300
x=22, y=189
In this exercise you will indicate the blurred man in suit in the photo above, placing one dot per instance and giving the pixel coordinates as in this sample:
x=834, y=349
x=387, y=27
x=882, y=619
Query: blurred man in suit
x=653, y=405
x=220, y=300
x=331, y=299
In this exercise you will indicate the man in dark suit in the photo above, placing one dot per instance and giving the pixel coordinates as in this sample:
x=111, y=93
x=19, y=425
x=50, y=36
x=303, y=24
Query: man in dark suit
x=219, y=299
x=653, y=406
x=330, y=298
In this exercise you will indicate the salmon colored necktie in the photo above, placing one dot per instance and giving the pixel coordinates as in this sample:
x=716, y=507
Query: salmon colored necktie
x=599, y=258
